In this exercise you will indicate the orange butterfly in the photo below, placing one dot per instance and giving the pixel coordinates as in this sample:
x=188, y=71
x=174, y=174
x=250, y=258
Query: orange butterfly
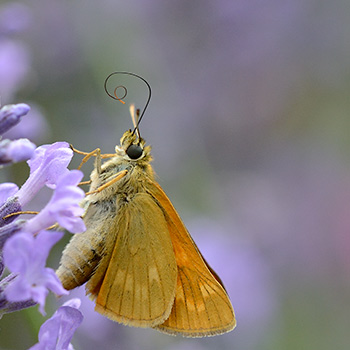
x=140, y=263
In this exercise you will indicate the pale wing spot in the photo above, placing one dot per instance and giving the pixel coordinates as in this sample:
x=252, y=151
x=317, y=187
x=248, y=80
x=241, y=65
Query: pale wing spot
x=137, y=291
x=201, y=305
x=120, y=275
x=153, y=274
x=203, y=290
x=203, y=309
x=193, y=293
x=129, y=283
x=216, y=305
x=215, y=291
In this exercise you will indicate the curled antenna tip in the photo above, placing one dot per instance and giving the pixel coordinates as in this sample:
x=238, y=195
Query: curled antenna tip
x=120, y=99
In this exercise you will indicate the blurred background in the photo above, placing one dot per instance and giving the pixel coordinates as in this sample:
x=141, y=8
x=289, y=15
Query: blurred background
x=249, y=124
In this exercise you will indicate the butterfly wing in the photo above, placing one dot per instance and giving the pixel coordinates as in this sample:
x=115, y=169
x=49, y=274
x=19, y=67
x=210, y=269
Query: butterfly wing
x=201, y=306
x=138, y=284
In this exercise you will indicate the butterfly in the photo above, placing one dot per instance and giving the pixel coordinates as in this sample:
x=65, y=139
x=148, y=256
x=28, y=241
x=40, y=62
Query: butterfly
x=139, y=262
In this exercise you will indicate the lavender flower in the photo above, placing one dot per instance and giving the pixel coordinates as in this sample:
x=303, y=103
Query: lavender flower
x=26, y=256
x=9, y=228
x=18, y=150
x=25, y=244
x=63, y=207
x=11, y=206
x=8, y=204
x=15, y=151
x=57, y=331
x=34, y=127
x=10, y=115
x=47, y=165
x=7, y=189
x=8, y=306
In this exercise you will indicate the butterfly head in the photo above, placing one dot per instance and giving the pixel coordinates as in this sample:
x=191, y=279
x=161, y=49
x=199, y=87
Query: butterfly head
x=133, y=147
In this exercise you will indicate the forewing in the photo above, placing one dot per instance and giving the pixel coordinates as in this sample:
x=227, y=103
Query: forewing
x=202, y=306
x=138, y=288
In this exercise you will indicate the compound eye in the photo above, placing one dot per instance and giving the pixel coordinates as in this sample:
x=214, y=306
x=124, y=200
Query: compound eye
x=134, y=151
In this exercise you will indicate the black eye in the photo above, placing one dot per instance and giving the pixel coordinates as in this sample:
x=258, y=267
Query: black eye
x=134, y=151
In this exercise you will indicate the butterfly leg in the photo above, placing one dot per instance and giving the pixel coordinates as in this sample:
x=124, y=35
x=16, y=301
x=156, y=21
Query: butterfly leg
x=95, y=153
x=110, y=182
x=84, y=183
x=87, y=155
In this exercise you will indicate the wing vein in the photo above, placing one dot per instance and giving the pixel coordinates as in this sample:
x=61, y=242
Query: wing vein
x=192, y=292
x=133, y=284
x=203, y=299
x=123, y=289
x=210, y=283
x=214, y=304
x=149, y=290
x=185, y=298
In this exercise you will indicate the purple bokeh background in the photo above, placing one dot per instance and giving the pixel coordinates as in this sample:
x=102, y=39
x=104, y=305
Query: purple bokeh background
x=249, y=123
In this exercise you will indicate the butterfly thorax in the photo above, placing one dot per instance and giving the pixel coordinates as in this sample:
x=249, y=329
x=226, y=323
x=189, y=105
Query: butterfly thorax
x=138, y=171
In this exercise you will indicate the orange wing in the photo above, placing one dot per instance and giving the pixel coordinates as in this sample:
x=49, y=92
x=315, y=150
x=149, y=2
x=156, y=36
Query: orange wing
x=201, y=306
x=136, y=283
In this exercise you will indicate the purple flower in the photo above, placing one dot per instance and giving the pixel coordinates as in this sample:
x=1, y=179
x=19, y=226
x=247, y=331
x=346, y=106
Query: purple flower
x=34, y=127
x=10, y=115
x=5, y=305
x=2, y=266
x=9, y=228
x=26, y=256
x=57, y=332
x=47, y=165
x=63, y=206
x=16, y=151
x=7, y=189
x=11, y=206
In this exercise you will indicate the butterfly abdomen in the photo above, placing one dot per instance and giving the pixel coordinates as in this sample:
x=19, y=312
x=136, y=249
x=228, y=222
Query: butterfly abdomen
x=78, y=261
x=83, y=253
